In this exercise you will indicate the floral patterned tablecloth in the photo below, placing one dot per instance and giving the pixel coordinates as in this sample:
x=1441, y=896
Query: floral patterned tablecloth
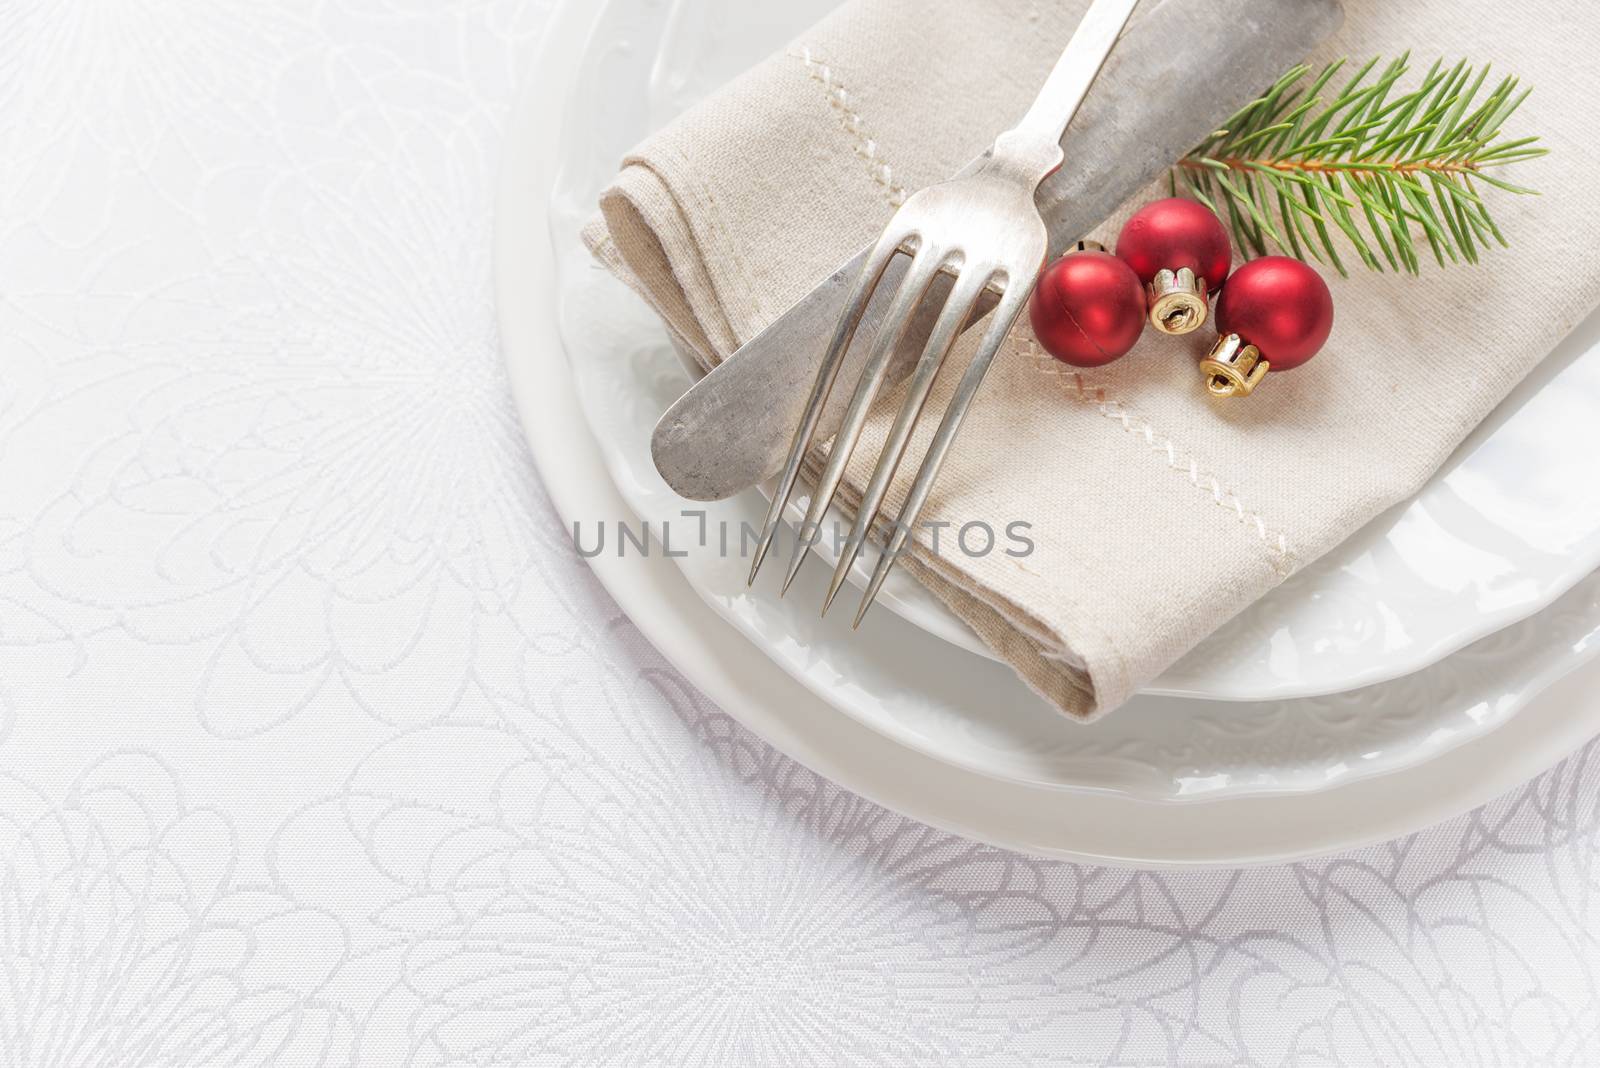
x=320, y=746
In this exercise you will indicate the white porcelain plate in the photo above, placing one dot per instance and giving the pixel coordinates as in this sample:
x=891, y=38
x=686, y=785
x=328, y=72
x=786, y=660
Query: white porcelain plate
x=894, y=675
x=1256, y=782
x=1511, y=522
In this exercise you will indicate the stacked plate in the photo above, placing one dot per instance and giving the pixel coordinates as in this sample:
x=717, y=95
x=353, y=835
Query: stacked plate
x=1356, y=702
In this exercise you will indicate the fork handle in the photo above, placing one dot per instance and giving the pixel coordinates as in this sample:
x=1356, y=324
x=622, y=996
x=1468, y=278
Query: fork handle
x=1075, y=71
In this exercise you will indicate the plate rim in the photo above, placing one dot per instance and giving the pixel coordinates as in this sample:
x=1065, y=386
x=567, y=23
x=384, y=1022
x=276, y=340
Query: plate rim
x=1079, y=826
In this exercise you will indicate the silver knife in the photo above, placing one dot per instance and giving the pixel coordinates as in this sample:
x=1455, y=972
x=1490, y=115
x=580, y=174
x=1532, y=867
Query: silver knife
x=1181, y=68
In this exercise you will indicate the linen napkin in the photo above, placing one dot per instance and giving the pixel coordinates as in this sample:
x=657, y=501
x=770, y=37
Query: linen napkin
x=1156, y=512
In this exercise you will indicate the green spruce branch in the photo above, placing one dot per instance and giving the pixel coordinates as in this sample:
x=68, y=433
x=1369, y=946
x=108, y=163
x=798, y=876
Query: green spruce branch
x=1372, y=164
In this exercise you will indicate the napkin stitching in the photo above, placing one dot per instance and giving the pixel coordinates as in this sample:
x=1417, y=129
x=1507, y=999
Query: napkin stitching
x=854, y=125
x=1179, y=459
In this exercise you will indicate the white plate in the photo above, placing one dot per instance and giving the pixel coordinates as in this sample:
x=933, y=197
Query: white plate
x=974, y=713
x=1101, y=826
x=1511, y=522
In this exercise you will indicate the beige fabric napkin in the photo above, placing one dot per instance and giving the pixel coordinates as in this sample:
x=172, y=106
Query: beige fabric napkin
x=1157, y=514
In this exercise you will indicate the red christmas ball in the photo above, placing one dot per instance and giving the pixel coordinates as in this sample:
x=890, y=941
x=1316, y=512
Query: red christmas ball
x=1088, y=309
x=1175, y=233
x=1279, y=305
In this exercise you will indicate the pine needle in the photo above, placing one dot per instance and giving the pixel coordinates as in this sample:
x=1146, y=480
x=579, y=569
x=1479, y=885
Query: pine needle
x=1381, y=168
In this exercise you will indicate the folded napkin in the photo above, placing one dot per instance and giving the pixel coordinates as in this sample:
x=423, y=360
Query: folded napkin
x=1156, y=513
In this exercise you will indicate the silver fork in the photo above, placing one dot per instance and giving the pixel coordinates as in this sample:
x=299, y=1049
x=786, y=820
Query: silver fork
x=981, y=227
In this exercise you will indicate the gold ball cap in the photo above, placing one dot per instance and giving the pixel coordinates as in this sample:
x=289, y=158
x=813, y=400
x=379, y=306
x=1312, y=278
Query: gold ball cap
x=1177, y=301
x=1233, y=368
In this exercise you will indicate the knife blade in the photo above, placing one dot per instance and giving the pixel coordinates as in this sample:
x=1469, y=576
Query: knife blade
x=1180, y=69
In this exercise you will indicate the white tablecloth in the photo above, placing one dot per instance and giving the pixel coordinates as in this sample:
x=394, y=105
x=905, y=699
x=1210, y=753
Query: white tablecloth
x=319, y=745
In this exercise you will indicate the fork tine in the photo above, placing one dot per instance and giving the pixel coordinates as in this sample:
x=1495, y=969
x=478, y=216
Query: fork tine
x=1005, y=317
x=952, y=320
x=924, y=268
x=843, y=334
